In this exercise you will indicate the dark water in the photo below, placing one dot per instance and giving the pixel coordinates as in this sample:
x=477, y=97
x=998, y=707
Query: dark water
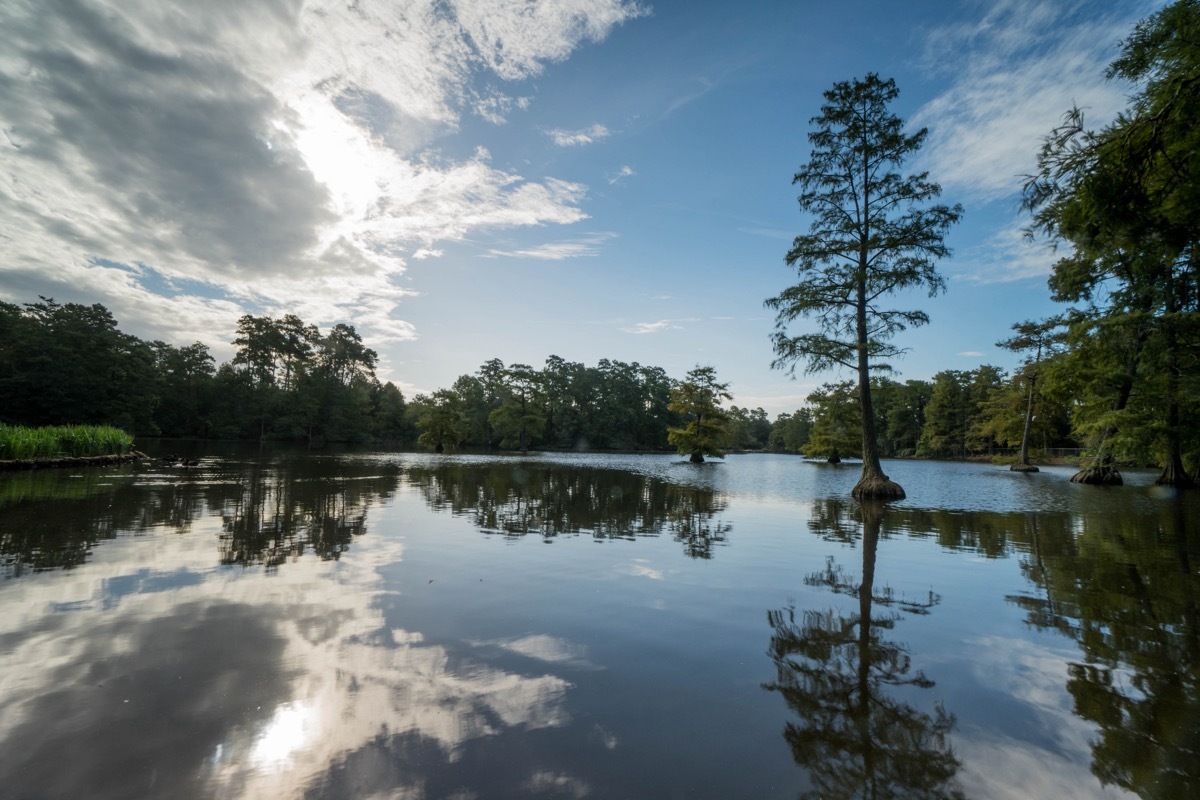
x=277, y=625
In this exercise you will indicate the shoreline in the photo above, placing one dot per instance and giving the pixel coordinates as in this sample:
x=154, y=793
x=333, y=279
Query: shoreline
x=15, y=464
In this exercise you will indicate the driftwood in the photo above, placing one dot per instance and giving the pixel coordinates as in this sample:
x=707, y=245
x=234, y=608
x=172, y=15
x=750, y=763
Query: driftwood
x=71, y=461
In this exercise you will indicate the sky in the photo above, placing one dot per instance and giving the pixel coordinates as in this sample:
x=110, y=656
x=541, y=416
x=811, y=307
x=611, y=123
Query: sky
x=464, y=180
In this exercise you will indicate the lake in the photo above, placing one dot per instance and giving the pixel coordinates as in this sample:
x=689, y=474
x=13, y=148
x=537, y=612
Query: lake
x=279, y=624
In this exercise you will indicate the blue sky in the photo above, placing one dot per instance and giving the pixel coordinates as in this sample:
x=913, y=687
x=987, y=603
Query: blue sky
x=513, y=178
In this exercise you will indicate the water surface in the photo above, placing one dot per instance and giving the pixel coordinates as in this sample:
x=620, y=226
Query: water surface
x=277, y=624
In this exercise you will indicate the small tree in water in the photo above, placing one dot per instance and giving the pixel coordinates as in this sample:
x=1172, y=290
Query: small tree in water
x=698, y=398
x=1042, y=338
x=871, y=236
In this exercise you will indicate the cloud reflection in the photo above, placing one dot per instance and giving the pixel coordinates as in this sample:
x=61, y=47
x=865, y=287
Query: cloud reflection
x=240, y=682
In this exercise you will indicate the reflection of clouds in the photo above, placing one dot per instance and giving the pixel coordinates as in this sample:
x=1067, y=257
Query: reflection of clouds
x=315, y=674
x=640, y=568
x=352, y=691
x=543, y=782
x=607, y=739
x=1003, y=767
x=544, y=648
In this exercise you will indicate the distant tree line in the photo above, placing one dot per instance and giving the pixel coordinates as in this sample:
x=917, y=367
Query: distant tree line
x=959, y=414
x=69, y=364
x=290, y=381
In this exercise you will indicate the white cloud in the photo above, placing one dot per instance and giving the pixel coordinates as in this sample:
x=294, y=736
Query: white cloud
x=565, y=138
x=971, y=354
x=623, y=173
x=273, y=156
x=557, y=784
x=1006, y=256
x=651, y=327
x=1016, y=71
x=556, y=251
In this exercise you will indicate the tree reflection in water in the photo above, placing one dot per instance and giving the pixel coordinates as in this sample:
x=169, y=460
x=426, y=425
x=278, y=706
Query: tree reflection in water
x=835, y=672
x=1126, y=588
x=271, y=511
x=282, y=512
x=527, y=499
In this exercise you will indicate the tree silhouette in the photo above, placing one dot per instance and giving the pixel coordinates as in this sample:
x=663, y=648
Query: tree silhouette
x=834, y=671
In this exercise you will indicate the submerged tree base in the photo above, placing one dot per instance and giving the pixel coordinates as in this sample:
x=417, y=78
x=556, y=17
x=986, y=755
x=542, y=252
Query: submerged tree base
x=877, y=487
x=697, y=458
x=1024, y=467
x=1100, y=475
x=1175, y=477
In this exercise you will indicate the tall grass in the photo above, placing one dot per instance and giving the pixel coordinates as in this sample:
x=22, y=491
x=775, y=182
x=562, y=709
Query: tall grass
x=58, y=441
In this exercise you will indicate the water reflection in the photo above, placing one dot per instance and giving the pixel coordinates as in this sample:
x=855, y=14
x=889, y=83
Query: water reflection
x=1127, y=591
x=549, y=501
x=842, y=678
x=273, y=510
x=267, y=627
x=282, y=512
x=159, y=671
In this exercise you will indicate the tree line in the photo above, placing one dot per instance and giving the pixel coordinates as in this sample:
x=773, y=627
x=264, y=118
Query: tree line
x=958, y=414
x=288, y=380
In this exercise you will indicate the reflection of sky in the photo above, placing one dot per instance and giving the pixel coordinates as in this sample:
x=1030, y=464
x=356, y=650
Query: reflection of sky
x=1053, y=758
x=419, y=655
x=267, y=680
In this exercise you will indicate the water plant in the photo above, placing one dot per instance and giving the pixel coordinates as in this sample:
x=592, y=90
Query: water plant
x=58, y=441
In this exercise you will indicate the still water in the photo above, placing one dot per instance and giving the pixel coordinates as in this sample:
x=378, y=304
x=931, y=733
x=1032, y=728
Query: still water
x=273, y=624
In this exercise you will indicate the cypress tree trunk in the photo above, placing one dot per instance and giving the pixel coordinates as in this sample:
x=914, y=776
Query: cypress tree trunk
x=1102, y=471
x=1023, y=464
x=1173, y=473
x=873, y=484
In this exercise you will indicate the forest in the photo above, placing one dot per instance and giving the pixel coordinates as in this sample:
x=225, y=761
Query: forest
x=290, y=381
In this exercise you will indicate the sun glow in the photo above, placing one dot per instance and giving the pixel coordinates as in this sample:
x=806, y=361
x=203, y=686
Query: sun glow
x=291, y=727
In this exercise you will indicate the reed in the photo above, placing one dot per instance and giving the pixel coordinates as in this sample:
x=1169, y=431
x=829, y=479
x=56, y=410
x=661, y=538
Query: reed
x=18, y=442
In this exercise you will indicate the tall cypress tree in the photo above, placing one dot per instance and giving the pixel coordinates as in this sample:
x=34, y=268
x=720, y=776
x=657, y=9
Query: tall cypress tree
x=873, y=234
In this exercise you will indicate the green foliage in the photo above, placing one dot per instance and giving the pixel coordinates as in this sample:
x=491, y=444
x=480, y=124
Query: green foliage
x=790, y=432
x=1123, y=200
x=705, y=431
x=519, y=419
x=749, y=429
x=68, y=364
x=871, y=234
x=18, y=442
x=442, y=420
x=899, y=414
x=955, y=404
x=837, y=422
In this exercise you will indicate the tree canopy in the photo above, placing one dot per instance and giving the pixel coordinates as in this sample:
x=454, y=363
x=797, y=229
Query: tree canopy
x=1123, y=201
x=705, y=430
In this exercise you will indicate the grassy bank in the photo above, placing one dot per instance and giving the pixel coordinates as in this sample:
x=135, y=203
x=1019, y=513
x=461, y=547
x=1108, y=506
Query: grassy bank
x=62, y=441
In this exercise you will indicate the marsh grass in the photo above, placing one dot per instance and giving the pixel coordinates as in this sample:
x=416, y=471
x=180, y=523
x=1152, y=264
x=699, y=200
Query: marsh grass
x=58, y=441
